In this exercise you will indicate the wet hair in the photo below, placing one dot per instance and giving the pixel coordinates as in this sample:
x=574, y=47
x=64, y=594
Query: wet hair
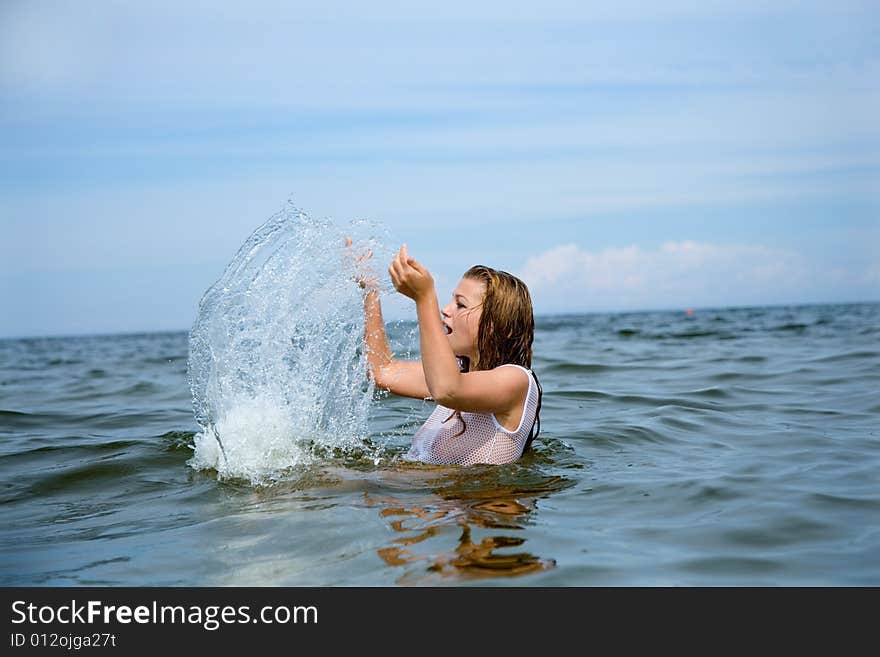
x=506, y=330
x=507, y=324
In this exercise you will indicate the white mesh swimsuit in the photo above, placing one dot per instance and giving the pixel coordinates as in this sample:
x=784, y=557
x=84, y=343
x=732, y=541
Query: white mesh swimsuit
x=484, y=440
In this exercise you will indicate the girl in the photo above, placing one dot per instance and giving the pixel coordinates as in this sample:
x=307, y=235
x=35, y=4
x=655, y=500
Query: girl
x=475, y=363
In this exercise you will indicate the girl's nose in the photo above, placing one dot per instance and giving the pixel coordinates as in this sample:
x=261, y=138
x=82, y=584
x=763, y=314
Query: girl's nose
x=444, y=311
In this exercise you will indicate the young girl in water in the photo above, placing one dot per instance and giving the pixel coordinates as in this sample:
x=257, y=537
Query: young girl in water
x=475, y=363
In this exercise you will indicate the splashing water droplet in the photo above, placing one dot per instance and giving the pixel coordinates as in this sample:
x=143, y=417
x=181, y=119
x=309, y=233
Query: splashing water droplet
x=276, y=360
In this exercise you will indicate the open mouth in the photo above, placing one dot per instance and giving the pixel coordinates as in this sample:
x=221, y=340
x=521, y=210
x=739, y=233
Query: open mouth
x=447, y=330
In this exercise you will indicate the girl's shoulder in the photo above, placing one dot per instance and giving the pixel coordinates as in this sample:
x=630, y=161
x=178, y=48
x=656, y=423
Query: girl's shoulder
x=524, y=369
x=530, y=375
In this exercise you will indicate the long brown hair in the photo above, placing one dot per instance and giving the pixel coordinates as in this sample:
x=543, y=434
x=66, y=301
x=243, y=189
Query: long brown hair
x=506, y=329
x=507, y=324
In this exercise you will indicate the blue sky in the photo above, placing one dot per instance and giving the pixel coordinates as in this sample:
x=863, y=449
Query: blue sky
x=616, y=157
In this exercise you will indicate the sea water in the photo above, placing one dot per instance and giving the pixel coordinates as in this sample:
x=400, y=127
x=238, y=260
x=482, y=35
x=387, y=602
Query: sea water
x=276, y=359
x=730, y=446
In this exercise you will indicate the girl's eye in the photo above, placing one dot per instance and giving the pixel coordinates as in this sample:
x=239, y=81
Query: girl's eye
x=459, y=304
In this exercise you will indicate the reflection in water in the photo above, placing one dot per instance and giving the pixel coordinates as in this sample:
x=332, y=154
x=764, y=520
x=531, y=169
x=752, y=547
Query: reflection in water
x=472, y=504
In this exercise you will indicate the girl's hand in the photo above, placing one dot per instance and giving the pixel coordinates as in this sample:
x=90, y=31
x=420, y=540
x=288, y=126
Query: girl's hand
x=364, y=276
x=409, y=277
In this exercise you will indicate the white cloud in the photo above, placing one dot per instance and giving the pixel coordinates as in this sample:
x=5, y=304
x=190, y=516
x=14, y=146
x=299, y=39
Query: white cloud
x=675, y=274
x=161, y=133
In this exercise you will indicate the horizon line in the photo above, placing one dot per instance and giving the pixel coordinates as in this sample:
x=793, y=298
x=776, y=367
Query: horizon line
x=538, y=316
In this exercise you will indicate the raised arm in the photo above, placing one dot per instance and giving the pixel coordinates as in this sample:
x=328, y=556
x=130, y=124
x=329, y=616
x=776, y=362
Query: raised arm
x=402, y=377
x=496, y=391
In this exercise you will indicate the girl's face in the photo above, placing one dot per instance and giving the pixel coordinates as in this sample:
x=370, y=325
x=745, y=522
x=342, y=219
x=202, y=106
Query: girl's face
x=461, y=316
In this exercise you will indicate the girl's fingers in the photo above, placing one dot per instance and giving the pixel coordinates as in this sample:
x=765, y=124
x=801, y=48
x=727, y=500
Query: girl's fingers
x=402, y=266
x=394, y=271
x=404, y=259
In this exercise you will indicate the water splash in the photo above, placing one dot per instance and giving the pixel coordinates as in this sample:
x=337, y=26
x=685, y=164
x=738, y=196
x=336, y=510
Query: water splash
x=276, y=361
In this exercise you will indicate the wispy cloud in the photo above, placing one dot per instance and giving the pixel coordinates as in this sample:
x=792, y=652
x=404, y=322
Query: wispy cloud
x=677, y=274
x=157, y=134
